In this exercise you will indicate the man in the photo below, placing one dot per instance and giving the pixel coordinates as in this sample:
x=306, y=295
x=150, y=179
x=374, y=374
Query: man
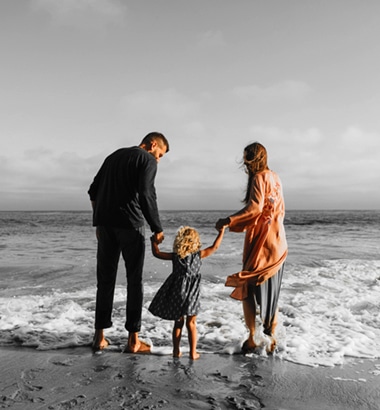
x=123, y=197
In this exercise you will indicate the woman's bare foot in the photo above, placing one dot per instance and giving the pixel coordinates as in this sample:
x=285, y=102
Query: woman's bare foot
x=99, y=342
x=272, y=347
x=248, y=346
x=195, y=356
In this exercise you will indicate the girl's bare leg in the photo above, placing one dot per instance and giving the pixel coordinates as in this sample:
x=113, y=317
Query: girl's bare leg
x=176, y=337
x=191, y=324
x=249, y=309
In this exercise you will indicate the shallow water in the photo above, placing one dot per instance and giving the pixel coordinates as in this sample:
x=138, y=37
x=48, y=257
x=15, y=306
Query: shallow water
x=329, y=300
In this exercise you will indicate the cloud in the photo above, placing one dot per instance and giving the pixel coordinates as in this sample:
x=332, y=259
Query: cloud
x=211, y=38
x=169, y=111
x=90, y=14
x=203, y=164
x=206, y=175
x=202, y=169
x=359, y=145
x=199, y=153
x=322, y=170
x=287, y=90
x=167, y=105
x=38, y=175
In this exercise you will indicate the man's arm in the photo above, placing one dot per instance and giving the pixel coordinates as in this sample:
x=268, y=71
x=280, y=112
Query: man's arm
x=148, y=198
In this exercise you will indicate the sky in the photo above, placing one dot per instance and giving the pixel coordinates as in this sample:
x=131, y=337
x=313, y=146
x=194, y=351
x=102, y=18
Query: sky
x=82, y=78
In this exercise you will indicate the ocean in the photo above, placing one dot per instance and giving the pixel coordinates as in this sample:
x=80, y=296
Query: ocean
x=329, y=302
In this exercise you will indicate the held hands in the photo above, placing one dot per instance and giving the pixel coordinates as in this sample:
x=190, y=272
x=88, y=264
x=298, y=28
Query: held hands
x=157, y=237
x=222, y=223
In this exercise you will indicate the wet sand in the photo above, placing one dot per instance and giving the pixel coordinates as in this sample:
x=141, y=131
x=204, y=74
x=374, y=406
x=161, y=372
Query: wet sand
x=78, y=379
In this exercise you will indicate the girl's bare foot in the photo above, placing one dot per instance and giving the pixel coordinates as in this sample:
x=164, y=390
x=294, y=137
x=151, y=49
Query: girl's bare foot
x=195, y=356
x=177, y=353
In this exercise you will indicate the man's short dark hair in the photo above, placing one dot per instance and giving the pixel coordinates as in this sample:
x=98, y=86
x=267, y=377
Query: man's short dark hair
x=152, y=136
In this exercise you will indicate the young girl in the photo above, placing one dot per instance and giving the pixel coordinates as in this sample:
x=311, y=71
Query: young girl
x=179, y=295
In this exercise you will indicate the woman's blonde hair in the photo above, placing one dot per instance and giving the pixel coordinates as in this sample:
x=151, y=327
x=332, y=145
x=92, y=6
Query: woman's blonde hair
x=187, y=241
x=255, y=160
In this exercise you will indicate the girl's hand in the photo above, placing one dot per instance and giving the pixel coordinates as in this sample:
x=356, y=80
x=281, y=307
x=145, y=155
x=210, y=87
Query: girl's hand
x=221, y=229
x=218, y=240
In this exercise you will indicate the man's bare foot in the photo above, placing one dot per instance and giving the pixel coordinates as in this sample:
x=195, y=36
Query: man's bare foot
x=195, y=356
x=99, y=342
x=135, y=345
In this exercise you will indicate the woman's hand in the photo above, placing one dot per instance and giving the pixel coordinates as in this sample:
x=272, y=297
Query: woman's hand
x=222, y=223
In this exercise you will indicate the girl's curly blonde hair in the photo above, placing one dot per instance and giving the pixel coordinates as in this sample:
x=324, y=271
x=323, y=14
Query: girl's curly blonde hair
x=187, y=241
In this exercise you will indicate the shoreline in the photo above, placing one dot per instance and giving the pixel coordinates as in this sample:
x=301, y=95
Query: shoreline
x=77, y=378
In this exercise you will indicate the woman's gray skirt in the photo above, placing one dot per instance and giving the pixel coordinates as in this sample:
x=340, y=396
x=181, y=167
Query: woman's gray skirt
x=267, y=295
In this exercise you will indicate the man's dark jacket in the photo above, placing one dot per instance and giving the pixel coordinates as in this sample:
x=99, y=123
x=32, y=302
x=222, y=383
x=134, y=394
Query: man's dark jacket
x=123, y=190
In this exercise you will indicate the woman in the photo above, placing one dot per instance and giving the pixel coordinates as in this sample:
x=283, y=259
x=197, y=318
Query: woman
x=265, y=246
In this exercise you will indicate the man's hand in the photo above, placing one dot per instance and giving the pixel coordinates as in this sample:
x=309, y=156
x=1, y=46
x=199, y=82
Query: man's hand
x=158, y=237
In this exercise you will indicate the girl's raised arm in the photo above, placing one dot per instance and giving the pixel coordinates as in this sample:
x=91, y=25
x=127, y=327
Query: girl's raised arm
x=168, y=256
x=211, y=249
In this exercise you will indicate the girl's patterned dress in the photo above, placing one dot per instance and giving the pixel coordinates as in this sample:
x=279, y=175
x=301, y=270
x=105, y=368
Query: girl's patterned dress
x=179, y=294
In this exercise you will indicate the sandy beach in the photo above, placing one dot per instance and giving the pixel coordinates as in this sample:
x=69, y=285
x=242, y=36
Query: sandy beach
x=79, y=379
